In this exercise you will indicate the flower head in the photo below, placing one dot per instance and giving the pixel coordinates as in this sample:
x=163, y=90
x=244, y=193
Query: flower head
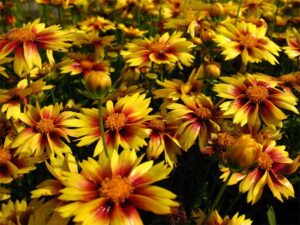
x=252, y=98
x=109, y=191
x=26, y=41
x=247, y=40
x=161, y=50
x=293, y=41
x=44, y=129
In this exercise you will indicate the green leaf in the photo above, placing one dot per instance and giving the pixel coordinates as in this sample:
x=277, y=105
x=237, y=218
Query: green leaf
x=271, y=216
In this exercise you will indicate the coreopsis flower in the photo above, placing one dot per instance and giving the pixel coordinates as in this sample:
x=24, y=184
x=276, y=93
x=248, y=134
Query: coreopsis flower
x=271, y=167
x=81, y=63
x=131, y=31
x=4, y=194
x=252, y=98
x=247, y=40
x=44, y=129
x=109, y=191
x=123, y=124
x=27, y=40
x=65, y=3
x=243, y=152
x=293, y=41
x=11, y=165
x=256, y=8
x=174, y=89
x=36, y=212
x=162, y=138
x=198, y=117
x=161, y=50
x=97, y=23
x=290, y=81
x=100, y=43
x=56, y=167
x=216, y=219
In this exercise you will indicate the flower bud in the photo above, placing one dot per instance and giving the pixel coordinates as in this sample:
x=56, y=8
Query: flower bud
x=97, y=84
x=216, y=9
x=212, y=70
x=243, y=153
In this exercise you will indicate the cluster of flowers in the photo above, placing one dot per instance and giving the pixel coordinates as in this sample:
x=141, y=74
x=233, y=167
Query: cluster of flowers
x=186, y=77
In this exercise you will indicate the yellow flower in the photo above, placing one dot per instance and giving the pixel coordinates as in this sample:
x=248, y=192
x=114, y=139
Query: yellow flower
x=97, y=23
x=161, y=50
x=216, y=219
x=243, y=153
x=293, y=41
x=26, y=41
x=131, y=31
x=65, y=3
x=123, y=124
x=109, y=191
x=162, y=139
x=44, y=129
x=247, y=40
x=254, y=97
x=198, y=117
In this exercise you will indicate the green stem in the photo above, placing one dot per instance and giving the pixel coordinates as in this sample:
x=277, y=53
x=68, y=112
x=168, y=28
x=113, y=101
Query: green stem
x=218, y=198
x=238, y=12
x=102, y=127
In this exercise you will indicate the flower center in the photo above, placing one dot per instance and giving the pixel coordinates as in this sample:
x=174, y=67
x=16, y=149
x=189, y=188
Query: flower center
x=203, y=113
x=87, y=64
x=248, y=41
x=157, y=124
x=21, y=34
x=118, y=189
x=257, y=93
x=265, y=161
x=45, y=126
x=5, y=156
x=225, y=139
x=115, y=121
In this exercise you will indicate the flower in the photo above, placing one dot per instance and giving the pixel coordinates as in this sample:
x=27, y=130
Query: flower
x=64, y=3
x=97, y=23
x=123, y=124
x=243, y=152
x=45, y=128
x=26, y=41
x=247, y=40
x=11, y=165
x=131, y=31
x=198, y=119
x=293, y=41
x=108, y=191
x=216, y=219
x=162, y=139
x=161, y=50
x=36, y=212
x=80, y=63
x=272, y=164
x=252, y=98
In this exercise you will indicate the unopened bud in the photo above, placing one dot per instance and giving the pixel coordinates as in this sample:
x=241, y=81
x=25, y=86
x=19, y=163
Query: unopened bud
x=98, y=83
x=212, y=70
x=216, y=9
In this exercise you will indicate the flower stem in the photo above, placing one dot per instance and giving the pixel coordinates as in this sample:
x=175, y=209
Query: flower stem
x=238, y=12
x=102, y=127
x=218, y=198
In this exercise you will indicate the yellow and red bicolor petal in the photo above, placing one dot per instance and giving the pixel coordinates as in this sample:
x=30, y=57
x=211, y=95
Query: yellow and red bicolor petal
x=31, y=55
x=124, y=163
x=149, y=204
x=23, y=137
x=125, y=214
x=93, y=170
x=7, y=48
x=78, y=188
x=256, y=190
x=188, y=135
x=132, y=136
x=47, y=188
x=250, y=180
x=270, y=114
x=235, y=177
x=20, y=64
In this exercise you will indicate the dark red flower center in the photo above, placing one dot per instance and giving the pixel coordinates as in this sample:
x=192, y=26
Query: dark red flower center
x=5, y=156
